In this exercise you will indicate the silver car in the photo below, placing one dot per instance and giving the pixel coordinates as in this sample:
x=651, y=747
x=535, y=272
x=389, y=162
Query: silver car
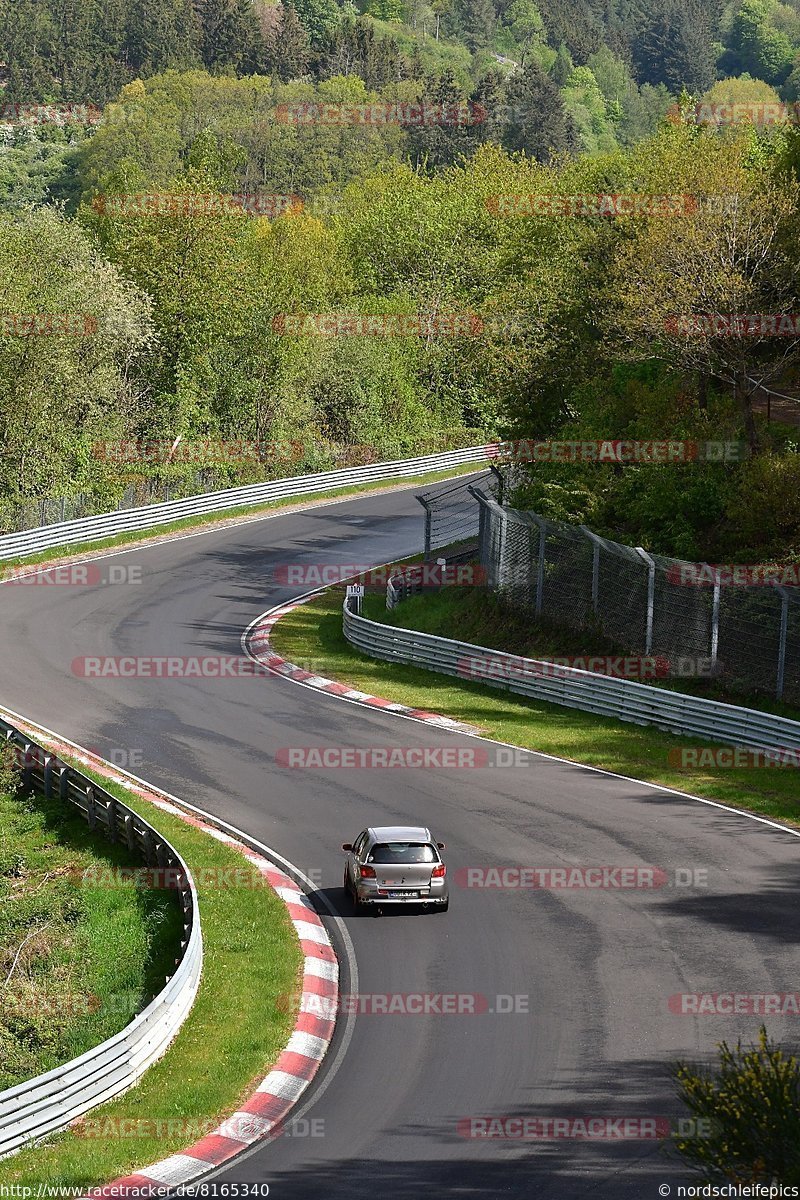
x=396, y=864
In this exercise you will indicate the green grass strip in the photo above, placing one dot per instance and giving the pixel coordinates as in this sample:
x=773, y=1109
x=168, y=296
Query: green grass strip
x=61, y=992
x=312, y=636
x=237, y=1029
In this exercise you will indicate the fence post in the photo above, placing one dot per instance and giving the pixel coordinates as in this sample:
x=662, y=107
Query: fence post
x=782, y=644
x=428, y=521
x=540, y=571
x=501, y=484
x=651, y=593
x=595, y=540
x=715, y=622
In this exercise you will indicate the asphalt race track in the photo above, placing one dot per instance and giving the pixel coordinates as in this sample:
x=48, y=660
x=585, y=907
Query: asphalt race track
x=595, y=969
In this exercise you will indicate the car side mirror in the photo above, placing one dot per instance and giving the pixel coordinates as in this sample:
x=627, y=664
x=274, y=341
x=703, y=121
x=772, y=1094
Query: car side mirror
x=440, y=846
x=347, y=845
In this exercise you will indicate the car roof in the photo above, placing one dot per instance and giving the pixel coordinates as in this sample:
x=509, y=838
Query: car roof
x=400, y=833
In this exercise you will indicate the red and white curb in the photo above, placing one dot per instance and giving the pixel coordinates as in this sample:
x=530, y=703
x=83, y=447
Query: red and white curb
x=262, y=1116
x=258, y=645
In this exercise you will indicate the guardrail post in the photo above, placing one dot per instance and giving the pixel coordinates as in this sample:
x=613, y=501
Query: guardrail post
x=63, y=783
x=27, y=768
x=47, y=774
x=91, y=808
x=782, y=644
x=715, y=622
x=130, y=833
x=651, y=593
x=112, y=819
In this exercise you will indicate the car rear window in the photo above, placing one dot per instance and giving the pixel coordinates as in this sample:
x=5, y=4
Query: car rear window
x=403, y=852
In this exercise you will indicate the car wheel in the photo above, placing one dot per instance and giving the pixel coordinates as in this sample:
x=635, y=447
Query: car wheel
x=346, y=883
x=444, y=907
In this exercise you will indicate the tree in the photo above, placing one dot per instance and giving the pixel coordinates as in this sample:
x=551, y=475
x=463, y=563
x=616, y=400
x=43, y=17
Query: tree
x=686, y=287
x=478, y=21
x=538, y=123
x=386, y=10
x=526, y=24
x=62, y=390
x=319, y=18
x=444, y=141
x=675, y=46
x=230, y=34
x=589, y=110
x=288, y=49
x=161, y=34
x=756, y=45
x=562, y=67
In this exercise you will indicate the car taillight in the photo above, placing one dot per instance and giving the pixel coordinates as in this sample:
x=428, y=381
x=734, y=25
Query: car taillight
x=367, y=872
x=439, y=871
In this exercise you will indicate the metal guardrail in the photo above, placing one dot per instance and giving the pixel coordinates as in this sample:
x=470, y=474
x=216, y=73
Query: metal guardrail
x=87, y=529
x=48, y=1103
x=624, y=700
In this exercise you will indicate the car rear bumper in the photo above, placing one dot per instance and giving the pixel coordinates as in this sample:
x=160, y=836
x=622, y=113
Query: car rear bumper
x=373, y=896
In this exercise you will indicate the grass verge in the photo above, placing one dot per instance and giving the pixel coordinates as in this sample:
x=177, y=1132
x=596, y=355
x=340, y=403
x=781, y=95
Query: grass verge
x=227, y=515
x=61, y=992
x=236, y=1030
x=312, y=635
x=485, y=620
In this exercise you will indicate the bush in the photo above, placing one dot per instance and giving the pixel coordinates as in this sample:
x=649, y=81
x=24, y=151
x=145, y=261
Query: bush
x=750, y=1109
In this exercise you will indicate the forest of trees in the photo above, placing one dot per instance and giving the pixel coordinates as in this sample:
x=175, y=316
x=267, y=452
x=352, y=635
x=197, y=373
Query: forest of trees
x=570, y=320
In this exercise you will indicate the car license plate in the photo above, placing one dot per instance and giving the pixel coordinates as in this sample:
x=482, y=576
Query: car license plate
x=403, y=895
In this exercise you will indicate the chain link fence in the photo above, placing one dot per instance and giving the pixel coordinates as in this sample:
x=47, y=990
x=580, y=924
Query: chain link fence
x=452, y=517
x=747, y=637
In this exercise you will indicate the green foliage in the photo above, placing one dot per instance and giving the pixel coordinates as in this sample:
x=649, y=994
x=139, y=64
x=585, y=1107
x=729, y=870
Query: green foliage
x=762, y=38
x=747, y=1114
x=61, y=390
x=590, y=111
